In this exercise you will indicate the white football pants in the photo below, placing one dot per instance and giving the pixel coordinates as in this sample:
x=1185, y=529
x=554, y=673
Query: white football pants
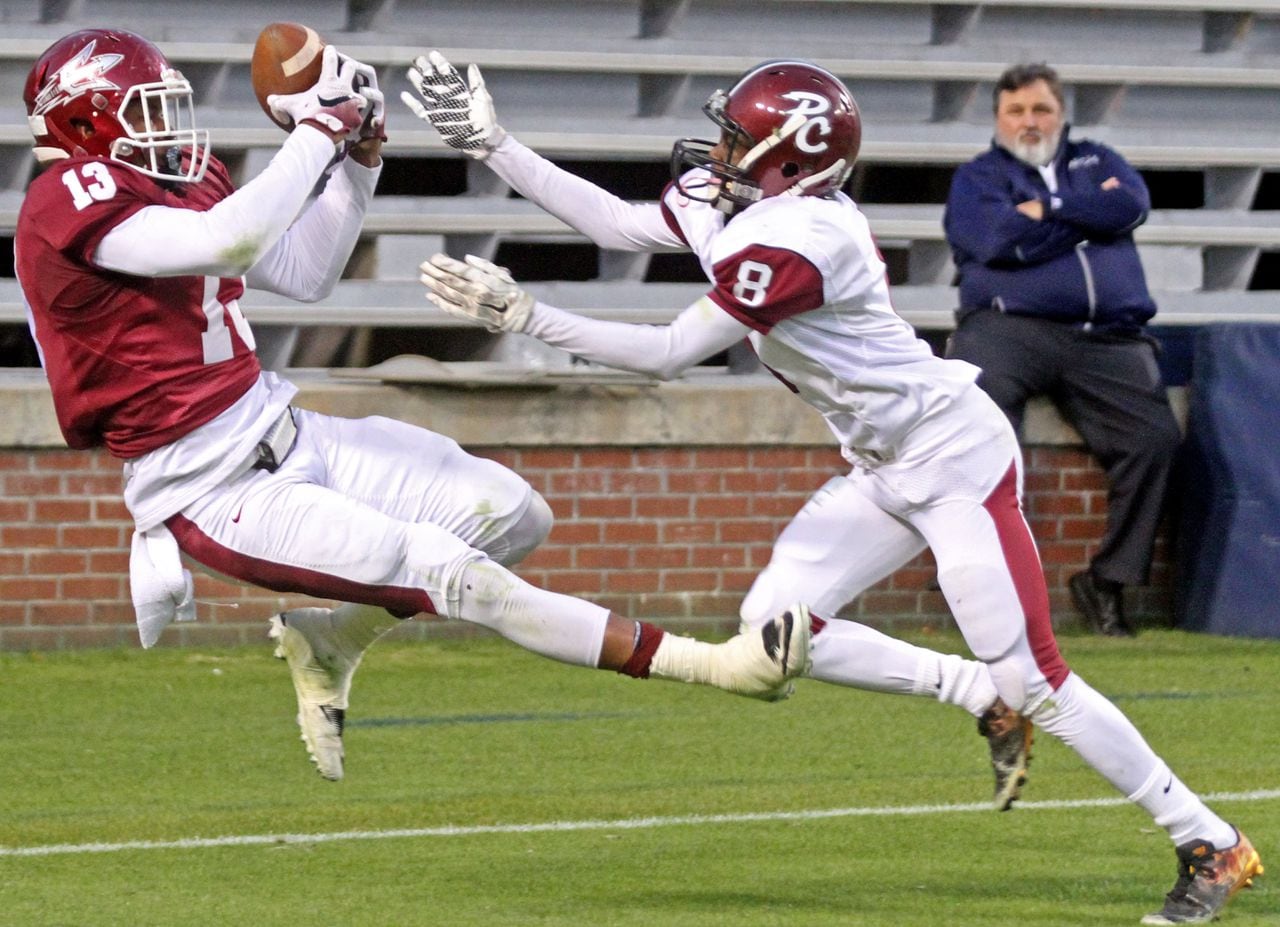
x=371, y=510
x=376, y=512
x=964, y=505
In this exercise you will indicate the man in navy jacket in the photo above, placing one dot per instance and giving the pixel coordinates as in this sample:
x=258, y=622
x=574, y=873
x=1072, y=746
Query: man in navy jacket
x=1053, y=301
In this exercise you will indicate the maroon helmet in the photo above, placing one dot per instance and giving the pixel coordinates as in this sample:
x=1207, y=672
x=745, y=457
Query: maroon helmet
x=112, y=94
x=787, y=126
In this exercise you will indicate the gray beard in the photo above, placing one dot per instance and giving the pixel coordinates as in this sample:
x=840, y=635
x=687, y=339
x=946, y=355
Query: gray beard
x=1039, y=154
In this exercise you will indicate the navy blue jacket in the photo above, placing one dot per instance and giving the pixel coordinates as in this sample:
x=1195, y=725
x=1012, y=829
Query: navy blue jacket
x=1078, y=264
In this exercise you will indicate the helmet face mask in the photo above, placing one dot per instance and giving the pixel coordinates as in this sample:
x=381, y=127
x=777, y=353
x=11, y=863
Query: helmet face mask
x=160, y=123
x=112, y=94
x=787, y=127
x=720, y=185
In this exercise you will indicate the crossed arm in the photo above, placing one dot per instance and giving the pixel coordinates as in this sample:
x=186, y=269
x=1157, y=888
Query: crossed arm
x=985, y=221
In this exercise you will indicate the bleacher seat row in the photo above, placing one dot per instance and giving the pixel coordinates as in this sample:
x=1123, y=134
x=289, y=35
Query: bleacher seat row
x=1188, y=87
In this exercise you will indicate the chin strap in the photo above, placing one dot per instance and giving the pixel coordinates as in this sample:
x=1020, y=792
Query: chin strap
x=789, y=128
x=837, y=170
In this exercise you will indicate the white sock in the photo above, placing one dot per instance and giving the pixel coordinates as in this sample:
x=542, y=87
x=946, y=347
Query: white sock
x=1177, y=809
x=1086, y=721
x=553, y=625
x=953, y=680
x=685, y=659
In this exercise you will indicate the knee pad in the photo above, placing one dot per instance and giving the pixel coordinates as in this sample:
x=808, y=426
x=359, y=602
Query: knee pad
x=525, y=533
x=485, y=589
x=1019, y=683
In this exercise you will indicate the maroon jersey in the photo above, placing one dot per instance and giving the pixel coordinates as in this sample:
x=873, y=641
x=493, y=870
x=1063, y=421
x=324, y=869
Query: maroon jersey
x=134, y=362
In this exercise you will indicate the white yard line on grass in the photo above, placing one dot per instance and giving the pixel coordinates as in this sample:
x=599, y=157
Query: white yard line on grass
x=194, y=843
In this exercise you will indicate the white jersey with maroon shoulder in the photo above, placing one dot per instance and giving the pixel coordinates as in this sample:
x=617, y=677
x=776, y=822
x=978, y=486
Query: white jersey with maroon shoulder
x=805, y=275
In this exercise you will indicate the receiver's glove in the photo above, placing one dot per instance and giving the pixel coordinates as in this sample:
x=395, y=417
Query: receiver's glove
x=331, y=103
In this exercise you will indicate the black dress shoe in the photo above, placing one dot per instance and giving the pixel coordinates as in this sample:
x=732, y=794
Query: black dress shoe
x=1104, y=608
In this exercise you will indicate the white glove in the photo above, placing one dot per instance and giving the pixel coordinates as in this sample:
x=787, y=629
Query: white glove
x=332, y=103
x=365, y=83
x=461, y=113
x=477, y=290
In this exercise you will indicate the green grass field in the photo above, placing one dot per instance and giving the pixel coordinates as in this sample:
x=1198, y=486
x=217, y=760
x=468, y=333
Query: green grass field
x=447, y=738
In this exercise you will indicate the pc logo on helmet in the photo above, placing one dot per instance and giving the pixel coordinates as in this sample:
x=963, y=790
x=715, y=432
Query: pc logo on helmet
x=787, y=127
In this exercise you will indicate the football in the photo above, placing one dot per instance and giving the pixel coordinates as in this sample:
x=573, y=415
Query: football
x=286, y=59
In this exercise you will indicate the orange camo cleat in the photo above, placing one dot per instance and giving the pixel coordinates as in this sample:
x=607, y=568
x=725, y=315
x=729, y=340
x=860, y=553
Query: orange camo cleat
x=1009, y=736
x=1207, y=879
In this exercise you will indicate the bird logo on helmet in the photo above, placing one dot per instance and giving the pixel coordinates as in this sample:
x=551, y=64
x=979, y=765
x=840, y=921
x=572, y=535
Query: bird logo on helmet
x=112, y=94
x=787, y=128
x=82, y=73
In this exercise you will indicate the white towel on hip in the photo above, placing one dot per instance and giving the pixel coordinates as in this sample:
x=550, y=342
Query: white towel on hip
x=161, y=589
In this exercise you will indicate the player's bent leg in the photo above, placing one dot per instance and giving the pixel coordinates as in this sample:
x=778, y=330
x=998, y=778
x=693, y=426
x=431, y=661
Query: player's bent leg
x=421, y=477
x=293, y=536
x=991, y=576
x=759, y=663
x=845, y=652
x=826, y=550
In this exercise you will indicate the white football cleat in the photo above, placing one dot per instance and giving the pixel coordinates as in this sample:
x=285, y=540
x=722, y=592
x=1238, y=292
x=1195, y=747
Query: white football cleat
x=761, y=663
x=321, y=669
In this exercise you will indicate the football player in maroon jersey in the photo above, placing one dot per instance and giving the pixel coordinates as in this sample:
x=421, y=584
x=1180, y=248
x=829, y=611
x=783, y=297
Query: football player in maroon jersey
x=133, y=248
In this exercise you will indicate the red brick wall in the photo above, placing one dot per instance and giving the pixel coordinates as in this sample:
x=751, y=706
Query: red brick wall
x=674, y=535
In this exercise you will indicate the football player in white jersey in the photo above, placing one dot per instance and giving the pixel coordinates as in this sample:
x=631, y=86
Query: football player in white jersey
x=133, y=247
x=935, y=464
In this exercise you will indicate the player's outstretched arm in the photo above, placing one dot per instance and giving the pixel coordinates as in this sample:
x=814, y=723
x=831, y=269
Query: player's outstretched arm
x=462, y=112
x=485, y=294
x=308, y=259
x=233, y=235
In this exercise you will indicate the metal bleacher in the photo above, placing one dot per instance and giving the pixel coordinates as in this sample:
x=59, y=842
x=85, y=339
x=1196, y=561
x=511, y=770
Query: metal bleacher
x=1188, y=90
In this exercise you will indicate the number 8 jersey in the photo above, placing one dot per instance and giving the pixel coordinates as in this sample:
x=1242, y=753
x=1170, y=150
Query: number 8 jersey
x=133, y=362
x=803, y=273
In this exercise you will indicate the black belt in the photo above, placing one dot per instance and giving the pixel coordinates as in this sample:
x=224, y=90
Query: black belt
x=277, y=442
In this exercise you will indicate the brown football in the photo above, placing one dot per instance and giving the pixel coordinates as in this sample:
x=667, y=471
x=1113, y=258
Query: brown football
x=286, y=59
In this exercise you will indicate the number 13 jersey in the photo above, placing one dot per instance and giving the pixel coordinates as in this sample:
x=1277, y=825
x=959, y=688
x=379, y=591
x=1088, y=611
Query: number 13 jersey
x=134, y=363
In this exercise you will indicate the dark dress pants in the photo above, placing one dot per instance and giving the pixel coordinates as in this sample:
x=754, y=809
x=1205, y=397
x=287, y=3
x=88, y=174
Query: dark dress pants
x=1108, y=387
